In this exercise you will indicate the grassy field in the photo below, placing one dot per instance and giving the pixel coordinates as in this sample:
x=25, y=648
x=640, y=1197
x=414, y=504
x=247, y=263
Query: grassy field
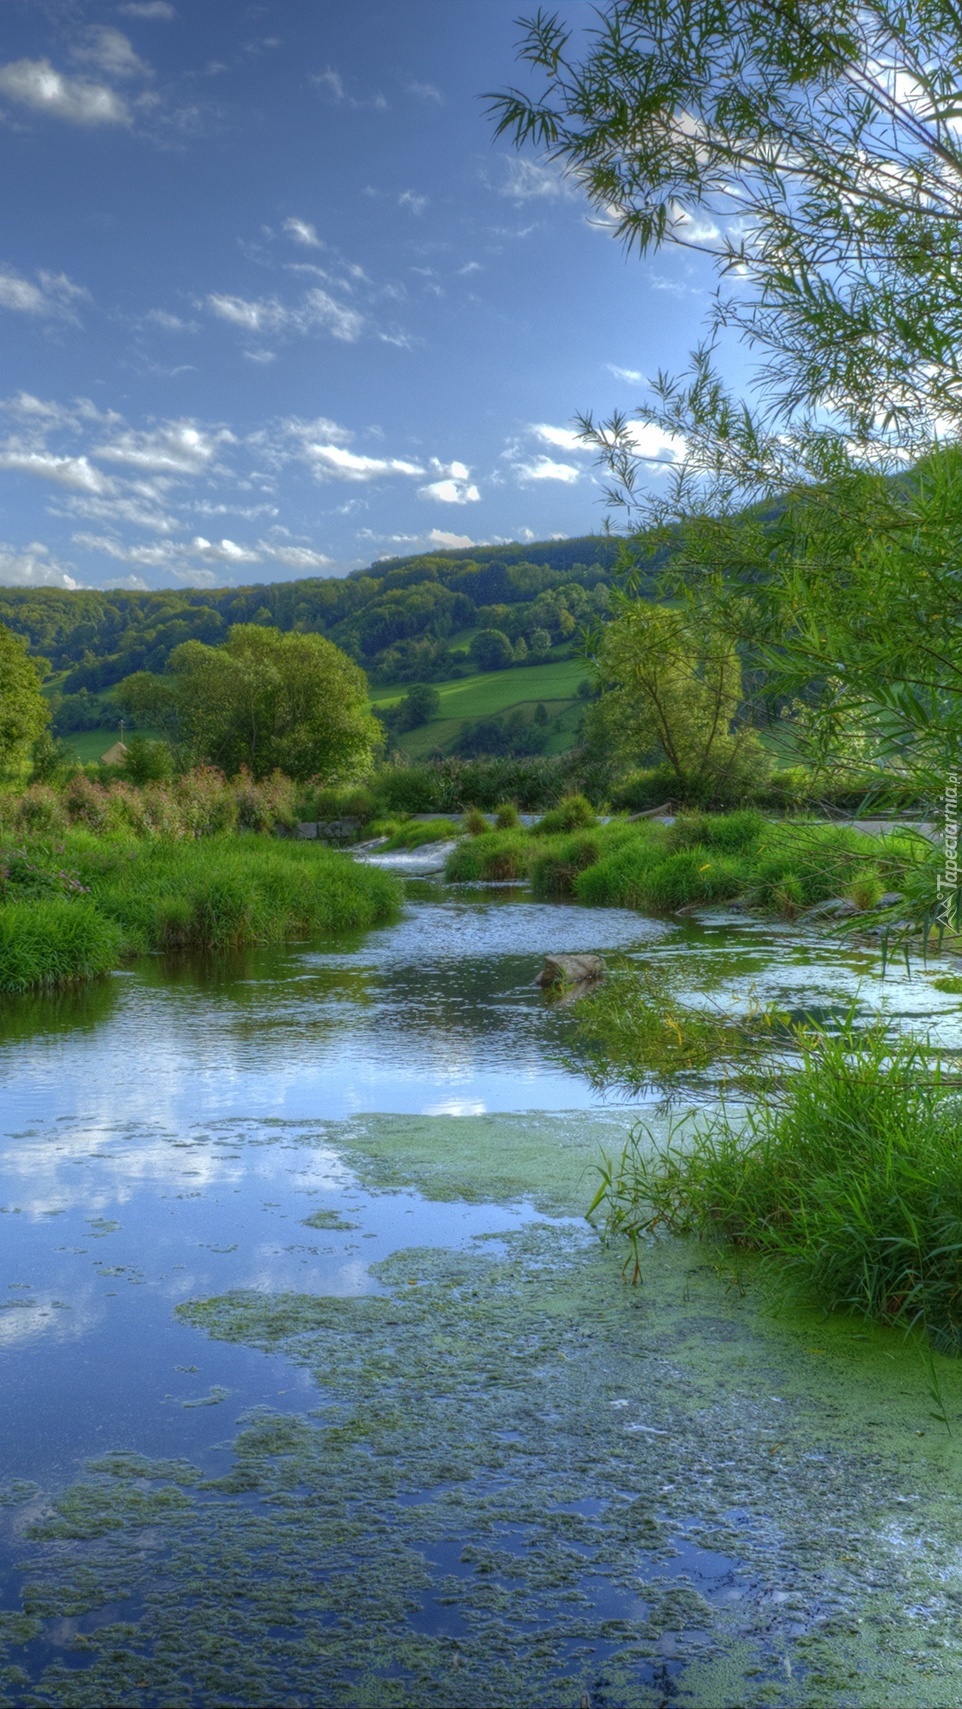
x=491, y=692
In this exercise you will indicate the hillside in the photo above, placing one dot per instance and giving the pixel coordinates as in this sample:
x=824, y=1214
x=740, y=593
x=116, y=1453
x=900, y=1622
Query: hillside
x=404, y=619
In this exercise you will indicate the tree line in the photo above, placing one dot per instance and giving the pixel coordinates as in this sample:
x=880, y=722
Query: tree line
x=396, y=619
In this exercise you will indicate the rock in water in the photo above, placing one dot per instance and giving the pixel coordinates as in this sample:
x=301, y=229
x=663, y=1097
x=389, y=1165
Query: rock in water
x=570, y=970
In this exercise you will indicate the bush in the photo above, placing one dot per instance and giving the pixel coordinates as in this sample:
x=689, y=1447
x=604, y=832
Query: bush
x=851, y=1188
x=475, y=823
x=506, y=816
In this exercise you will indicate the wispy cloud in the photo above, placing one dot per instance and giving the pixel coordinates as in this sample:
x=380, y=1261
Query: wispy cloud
x=425, y=92
x=34, y=83
x=52, y=297
x=533, y=180
x=302, y=232
x=330, y=82
x=109, y=51
x=411, y=199
x=158, y=9
x=317, y=311
x=173, y=448
x=632, y=376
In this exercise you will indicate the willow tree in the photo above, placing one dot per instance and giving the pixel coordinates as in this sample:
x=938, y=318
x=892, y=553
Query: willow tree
x=812, y=151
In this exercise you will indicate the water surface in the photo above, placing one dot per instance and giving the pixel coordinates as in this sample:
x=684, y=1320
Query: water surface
x=295, y=1242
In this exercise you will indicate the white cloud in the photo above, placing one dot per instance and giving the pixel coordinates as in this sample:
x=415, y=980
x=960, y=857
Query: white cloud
x=336, y=461
x=561, y=438
x=426, y=92
x=632, y=376
x=136, y=512
x=110, y=51
x=317, y=311
x=129, y=584
x=169, y=322
x=224, y=551
x=333, y=82
x=53, y=297
x=298, y=558
x=75, y=473
x=158, y=9
x=529, y=180
x=545, y=469
x=32, y=567
x=411, y=199
x=454, y=485
x=438, y=537
x=652, y=445
x=302, y=232
x=34, y=83
x=172, y=448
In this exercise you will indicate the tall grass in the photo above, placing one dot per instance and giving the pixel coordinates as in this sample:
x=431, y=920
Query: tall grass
x=850, y=1187
x=72, y=911
x=50, y=941
x=224, y=892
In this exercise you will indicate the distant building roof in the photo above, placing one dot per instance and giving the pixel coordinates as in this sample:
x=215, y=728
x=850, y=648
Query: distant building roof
x=115, y=755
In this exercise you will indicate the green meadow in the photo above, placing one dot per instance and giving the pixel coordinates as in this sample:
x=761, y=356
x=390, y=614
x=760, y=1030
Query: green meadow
x=488, y=693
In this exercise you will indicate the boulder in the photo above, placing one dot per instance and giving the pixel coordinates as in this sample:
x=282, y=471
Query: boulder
x=839, y=908
x=890, y=899
x=570, y=970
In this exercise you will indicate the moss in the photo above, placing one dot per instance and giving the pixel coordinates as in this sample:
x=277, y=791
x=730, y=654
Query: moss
x=328, y=1219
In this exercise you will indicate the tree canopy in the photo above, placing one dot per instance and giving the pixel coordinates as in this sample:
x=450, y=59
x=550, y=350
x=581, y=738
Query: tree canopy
x=264, y=700
x=23, y=711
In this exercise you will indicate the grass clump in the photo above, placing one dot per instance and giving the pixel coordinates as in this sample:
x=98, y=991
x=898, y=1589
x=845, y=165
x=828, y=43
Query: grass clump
x=51, y=941
x=573, y=813
x=415, y=833
x=491, y=857
x=474, y=823
x=849, y=1186
x=506, y=816
x=634, y=1032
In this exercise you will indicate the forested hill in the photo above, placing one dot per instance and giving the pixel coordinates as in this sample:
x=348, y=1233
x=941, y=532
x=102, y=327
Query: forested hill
x=403, y=619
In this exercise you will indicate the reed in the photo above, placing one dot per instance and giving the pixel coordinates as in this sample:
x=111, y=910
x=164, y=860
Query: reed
x=848, y=1186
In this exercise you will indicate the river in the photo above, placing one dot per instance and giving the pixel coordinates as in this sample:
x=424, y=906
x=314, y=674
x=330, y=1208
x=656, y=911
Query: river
x=318, y=1388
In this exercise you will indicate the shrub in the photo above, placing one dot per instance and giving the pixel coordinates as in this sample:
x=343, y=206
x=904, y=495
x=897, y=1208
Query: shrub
x=506, y=816
x=475, y=823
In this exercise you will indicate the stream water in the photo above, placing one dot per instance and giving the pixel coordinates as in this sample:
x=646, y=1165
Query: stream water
x=319, y=1389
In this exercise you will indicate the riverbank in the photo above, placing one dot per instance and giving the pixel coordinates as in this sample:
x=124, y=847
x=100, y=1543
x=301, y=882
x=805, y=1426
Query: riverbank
x=780, y=866
x=73, y=908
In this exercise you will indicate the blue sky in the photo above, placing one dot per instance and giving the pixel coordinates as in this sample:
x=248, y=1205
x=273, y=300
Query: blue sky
x=275, y=303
